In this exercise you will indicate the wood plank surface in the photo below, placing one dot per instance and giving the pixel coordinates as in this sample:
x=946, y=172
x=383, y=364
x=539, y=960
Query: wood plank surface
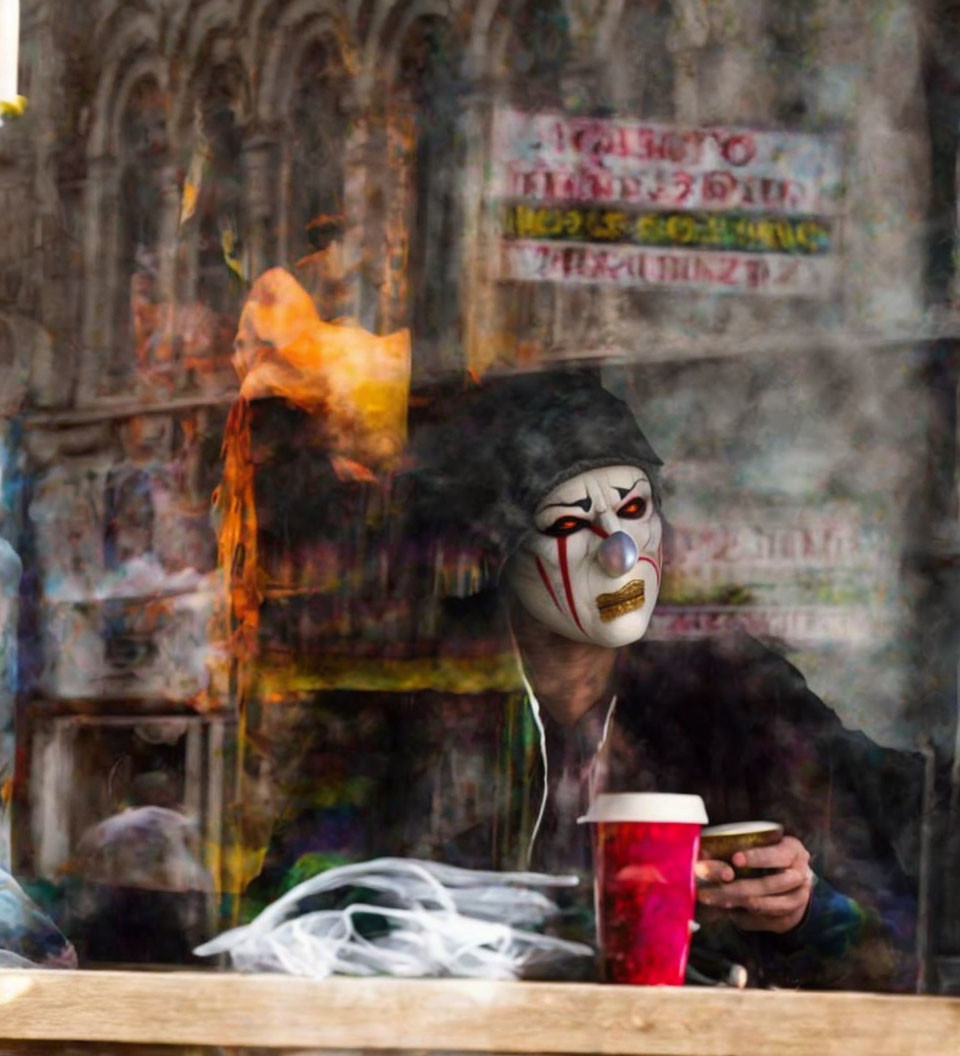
x=273, y=1011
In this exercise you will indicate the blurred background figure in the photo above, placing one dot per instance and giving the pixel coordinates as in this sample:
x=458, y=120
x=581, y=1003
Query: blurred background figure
x=138, y=889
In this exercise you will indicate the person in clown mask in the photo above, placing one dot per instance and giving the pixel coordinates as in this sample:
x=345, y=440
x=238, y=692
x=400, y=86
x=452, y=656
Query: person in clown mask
x=590, y=571
x=551, y=478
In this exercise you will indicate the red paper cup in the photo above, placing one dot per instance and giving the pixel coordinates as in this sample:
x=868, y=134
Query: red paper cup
x=645, y=846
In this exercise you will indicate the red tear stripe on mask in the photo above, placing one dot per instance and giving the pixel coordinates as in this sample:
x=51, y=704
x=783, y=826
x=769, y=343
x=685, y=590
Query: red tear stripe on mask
x=650, y=561
x=547, y=584
x=565, y=572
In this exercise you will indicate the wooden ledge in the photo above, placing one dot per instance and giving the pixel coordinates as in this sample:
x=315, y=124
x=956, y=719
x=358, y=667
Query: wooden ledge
x=471, y=1016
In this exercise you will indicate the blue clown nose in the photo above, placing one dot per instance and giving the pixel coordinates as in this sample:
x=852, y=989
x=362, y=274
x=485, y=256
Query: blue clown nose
x=618, y=554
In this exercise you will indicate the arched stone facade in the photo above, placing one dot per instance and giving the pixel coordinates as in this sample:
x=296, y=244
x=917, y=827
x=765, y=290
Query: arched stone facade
x=680, y=60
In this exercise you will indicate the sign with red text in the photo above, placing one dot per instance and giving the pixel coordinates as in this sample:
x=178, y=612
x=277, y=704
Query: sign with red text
x=797, y=626
x=597, y=200
x=806, y=578
x=800, y=542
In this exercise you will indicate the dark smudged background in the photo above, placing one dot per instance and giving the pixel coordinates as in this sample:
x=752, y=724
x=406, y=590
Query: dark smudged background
x=809, y=444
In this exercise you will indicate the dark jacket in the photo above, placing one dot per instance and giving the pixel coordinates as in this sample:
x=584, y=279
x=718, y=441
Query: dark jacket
x=727, y=719
x=735, y=723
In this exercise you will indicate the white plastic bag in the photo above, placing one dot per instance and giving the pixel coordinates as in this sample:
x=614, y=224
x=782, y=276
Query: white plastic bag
x=434, y=920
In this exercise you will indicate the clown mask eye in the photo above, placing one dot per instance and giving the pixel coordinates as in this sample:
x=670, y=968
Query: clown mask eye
x=634, y=509
x=564, y=526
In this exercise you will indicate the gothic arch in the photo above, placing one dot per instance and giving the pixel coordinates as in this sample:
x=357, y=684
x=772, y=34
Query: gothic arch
x=213, y=114
x=132, y=56
x=482, y=25
x=196, y=21
x=216, y=53
x=147, y=69
x=507, y=27
x=391, y=28
x=362, y=16
x=311, y=21
x=135, y=65
x=256, y=15
x=423, y=73
x=313, y=167
x=112, y=22
x=209, y=44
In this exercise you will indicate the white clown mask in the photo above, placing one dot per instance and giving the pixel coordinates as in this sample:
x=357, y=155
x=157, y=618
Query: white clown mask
x=590, y=570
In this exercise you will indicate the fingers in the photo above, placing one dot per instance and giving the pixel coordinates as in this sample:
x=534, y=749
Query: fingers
x=727, y=898
x=776, y=913
x=788, y=852
x=776, y=902
x=739, y=893
x=711, y=871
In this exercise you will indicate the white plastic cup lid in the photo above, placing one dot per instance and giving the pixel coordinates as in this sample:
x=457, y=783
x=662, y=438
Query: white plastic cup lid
x=647, y=806
x=741, y=828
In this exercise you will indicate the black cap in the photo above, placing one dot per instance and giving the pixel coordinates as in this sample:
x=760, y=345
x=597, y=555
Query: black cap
x=506, y=444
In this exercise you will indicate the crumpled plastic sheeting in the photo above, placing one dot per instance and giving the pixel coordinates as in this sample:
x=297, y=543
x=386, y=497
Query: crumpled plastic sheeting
x=28, y=937
x=433, y=920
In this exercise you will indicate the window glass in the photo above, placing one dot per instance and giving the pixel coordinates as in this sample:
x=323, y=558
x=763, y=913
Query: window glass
x=419, y=420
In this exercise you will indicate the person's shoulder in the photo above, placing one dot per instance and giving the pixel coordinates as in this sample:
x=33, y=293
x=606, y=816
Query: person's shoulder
x=736, y=669
x=733, y=650
x=745, y=654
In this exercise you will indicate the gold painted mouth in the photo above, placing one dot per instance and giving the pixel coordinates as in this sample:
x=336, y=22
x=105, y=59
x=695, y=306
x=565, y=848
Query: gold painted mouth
x=620, y=602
